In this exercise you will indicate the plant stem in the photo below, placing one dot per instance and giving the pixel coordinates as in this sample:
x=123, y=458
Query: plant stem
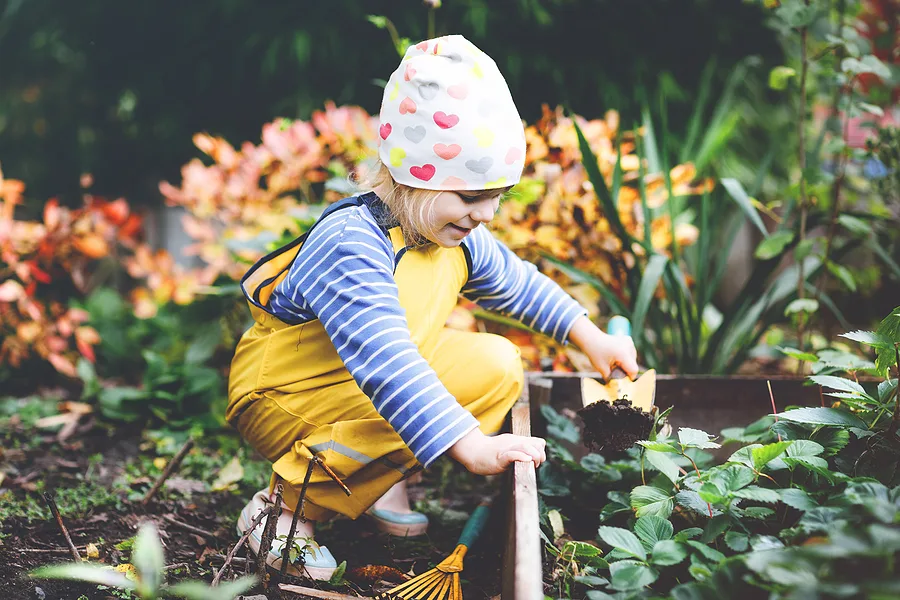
x=801, y=156
x=173, y=464
x=772, y=398
x=228, y=559
x=62, y=526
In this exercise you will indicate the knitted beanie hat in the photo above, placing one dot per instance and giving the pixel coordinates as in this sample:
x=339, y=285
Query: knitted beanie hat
x=448, y=121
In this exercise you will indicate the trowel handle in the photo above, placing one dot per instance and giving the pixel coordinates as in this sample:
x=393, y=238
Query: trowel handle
x=618, y=325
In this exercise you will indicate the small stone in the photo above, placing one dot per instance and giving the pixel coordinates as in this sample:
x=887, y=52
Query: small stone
x=39, y=593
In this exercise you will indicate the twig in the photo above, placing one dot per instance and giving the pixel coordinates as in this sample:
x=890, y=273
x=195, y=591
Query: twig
x=228, y=559
x=298, y=514
x=62, y=526
x=236, y=560
x=187, y=527
x=176, y=460
x=177, y=566
x=333, y=475
x=774, y=410
x=268, y=536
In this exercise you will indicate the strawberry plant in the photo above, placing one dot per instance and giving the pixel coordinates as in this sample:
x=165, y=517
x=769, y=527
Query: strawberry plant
x=808, y=506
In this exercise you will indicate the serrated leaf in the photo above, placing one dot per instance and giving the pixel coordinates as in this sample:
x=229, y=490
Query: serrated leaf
x=686, y=534
x=691, y=499
x=758, y=494
x=758, y=512
x=832, y=439
x=837, y=383
x=667, y=553
x=559, y=426
x=631, y=575
x=695, y=438
x=591, y=580
x=647, y=500
x=765, y=454
x=710, y=492
x=804, y=448
x=739, y=542
x=663, y=464
x=734, y=477
x=812, y=463
x=594, y=463
x=651, y=529
x=886, y=389
x=707, y=552
x=796, y=498
x=823, y=416
x=765, y=542
x=774, y=245
x=744, y=455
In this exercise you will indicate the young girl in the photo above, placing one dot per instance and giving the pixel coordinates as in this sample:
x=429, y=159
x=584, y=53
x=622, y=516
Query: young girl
x=349, y=358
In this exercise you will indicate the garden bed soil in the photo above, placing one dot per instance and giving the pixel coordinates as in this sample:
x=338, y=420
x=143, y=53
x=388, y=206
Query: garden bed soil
x=197, y=531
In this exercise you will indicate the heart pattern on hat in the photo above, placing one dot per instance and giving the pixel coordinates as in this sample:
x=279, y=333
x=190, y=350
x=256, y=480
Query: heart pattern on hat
x=425, y=172
x=414, y=134
x=447, y=120
x=447, y=152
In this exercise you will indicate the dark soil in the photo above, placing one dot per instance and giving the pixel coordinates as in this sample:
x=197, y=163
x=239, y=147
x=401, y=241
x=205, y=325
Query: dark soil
x=86, y=475
x=613, y=427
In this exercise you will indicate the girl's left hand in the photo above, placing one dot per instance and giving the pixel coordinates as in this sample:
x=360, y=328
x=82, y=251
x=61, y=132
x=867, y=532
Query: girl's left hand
x=605, y=351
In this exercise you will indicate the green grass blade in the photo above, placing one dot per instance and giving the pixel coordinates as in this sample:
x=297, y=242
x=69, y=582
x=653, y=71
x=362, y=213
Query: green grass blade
x=642, y=190
x=739, y=195
x=873, y=245
x=654, y=163
x=688, y=150
x=649, y=284
x=701, y=274
x=667, y=176
x=723, y=123
x=828, y=303
x=579, y=276
x=609, y=205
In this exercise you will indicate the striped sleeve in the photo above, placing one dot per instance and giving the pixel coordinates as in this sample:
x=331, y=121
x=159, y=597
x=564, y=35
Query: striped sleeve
x=347, y=279
x=502, y=282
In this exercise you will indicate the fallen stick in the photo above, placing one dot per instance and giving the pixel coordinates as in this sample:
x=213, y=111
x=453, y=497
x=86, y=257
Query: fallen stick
x=228, y=559
x=62, y=526
x=236, y=561
x=314, y=593
x=178, y=565
x=298, y=514
x=187, y=527
x=176, y=460
x=268, y=536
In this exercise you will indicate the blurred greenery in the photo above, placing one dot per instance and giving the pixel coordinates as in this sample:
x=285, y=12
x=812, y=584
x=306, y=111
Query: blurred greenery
x=117, y=89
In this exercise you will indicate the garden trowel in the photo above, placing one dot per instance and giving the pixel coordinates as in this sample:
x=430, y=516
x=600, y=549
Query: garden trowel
x=621, y=411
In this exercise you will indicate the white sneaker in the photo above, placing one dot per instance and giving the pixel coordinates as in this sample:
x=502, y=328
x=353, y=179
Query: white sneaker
x=319, y=564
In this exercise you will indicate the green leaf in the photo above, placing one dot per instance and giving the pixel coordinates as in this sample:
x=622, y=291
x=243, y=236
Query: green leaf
x=758, y=494
x=812, y=463
x=774, y=245
x=739, y=195
x=667, y=552
x=796, y=14
x=842, y=273
x=631, y=575
x=559, y=426
x=803, y=249
x=591, y=580
x=832, y=439
x=779, y=76
x=663, y=464
x=651, y=529
x=693, y=591
x=765, y=454
x=594, y=463
x=646, y=292
x=867, y=64
x=581, y=550
x=204, y=344
x=804, y=448
x=758, y=512
x=659, y=447
x=823, y=416
x=686, y=534
x=796, y=498
x=148, y=558
x=855, y=225
x=647, y=500
x=889, y=331
x=869, y=338
x=739, y=542
x=837, y=383
x=710, y=492
x=744, y=455
x=804, y=305
x=695, y=438
x=691, y=499
x=623, y=540
x=84, y=572
x=886, y=388
x=707, y=552
x=198, y=590
x=734, y=477
x=794, y=353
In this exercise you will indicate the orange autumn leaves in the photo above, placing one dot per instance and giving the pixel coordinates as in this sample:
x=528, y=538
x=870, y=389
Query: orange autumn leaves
x=43, y=264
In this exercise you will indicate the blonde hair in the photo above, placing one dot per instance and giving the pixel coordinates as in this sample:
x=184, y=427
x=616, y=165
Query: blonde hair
x=412, y=207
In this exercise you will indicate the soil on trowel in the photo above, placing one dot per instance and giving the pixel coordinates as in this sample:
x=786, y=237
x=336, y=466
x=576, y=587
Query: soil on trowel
x=613, y=427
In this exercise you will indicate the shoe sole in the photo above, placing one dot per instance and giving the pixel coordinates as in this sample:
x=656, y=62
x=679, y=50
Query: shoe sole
x=398, y=529
x=273, y=560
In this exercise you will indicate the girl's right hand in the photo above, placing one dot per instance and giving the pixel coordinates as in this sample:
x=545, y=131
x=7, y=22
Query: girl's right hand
x=484, y=455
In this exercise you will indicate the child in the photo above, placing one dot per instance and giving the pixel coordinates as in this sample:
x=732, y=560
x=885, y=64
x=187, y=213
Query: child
x=349, y=358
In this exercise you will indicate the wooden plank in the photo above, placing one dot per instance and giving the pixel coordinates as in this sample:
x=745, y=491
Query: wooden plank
x=522, y=577
x=538, y=390
x=306, y=592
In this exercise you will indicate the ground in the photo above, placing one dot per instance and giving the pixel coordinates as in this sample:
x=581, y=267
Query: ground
x=100, y=473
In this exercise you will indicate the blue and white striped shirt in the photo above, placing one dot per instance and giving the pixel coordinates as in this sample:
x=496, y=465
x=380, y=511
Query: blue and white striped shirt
x=344, y=276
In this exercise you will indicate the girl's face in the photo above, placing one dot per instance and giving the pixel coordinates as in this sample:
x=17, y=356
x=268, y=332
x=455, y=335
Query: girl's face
x=456, y=214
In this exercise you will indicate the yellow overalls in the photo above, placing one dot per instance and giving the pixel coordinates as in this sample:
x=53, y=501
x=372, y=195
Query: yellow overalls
x=290, y=395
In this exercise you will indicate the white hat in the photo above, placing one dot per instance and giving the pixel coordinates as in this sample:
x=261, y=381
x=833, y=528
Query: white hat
x=448, y=121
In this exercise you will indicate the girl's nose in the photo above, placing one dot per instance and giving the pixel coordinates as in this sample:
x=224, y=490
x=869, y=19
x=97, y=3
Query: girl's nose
x=483, y=211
